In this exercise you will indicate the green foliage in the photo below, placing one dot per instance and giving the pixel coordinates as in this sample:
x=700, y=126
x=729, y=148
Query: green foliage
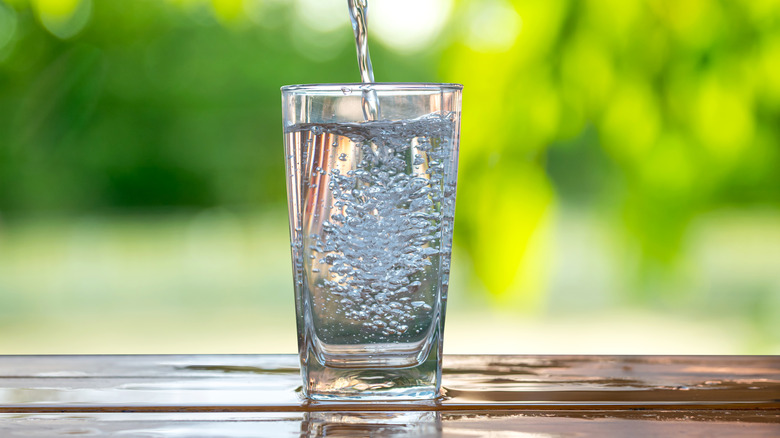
x=155, y=105
x=648, y=113
x=676, y=104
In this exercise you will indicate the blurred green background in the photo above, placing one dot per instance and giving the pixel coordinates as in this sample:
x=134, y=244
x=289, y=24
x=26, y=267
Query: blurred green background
x=619, y=178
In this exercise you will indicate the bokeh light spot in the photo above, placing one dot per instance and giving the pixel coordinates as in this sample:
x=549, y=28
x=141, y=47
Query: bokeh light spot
x=770, y=60
x=323, y=16
x=631, y=122
x=588, y=71
x=724, y=121
x=408, y=25
x=228, y=11
x=7, y=25
x=493, y=27
x=669, y=167
x=507, y=225
x=63, y=18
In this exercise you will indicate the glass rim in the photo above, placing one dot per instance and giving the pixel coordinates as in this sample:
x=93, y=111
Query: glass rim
x=377, y=86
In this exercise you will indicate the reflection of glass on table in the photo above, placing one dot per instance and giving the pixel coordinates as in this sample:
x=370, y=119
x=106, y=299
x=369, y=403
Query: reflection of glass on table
x=386, y=424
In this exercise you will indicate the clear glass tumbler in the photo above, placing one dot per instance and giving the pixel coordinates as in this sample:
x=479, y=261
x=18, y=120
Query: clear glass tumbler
x=371, y=207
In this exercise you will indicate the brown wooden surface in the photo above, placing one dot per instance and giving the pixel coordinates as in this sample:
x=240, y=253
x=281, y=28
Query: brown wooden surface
x=512, y=396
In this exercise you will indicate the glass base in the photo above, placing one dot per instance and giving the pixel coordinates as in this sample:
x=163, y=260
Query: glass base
x=421, y=381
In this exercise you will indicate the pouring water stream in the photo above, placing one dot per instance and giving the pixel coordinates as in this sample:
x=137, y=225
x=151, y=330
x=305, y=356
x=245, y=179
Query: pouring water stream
x=358, y=14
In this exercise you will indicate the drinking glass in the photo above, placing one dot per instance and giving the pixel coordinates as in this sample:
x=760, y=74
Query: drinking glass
x=371, y=207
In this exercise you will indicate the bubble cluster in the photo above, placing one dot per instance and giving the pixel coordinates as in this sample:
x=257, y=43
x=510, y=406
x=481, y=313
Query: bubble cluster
x=380, y=243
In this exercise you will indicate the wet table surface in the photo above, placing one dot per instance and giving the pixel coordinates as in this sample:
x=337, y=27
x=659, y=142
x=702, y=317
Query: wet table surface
x=499, y=396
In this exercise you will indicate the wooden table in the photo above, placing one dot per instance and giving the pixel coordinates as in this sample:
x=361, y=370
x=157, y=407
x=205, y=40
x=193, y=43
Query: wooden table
x=499, y=396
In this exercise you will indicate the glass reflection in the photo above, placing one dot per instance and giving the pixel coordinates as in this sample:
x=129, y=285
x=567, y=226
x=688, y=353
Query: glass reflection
x=366, y=424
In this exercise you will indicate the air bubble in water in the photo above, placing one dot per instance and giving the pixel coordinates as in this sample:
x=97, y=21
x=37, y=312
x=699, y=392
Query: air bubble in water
x=381, y=223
